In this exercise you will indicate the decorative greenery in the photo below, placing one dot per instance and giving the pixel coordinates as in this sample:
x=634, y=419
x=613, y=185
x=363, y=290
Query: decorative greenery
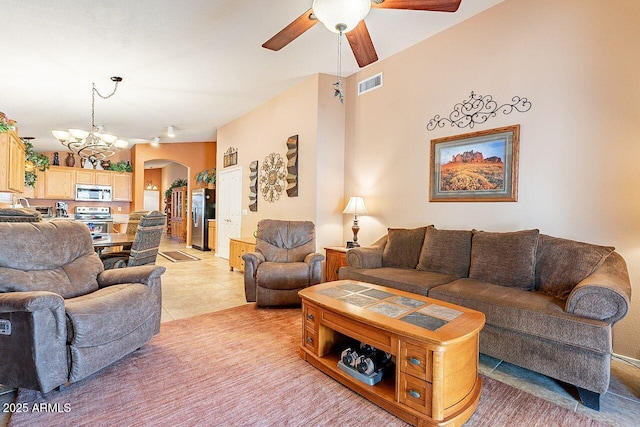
x=121, y=166
x=34, y=161
x=6, y=124
x=180, y=182
x=207, y=176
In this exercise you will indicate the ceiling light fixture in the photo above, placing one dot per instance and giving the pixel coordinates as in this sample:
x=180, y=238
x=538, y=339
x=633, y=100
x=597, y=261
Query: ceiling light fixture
x=93, y=145
x=170, y=132
x=155, y=142
x=341, y=16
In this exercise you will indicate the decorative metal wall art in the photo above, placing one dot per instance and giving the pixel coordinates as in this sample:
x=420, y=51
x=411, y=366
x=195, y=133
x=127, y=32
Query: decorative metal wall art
x=477, y=109
x=231, y=157
x=272, y=175
x=292, y=166
x=253, y=186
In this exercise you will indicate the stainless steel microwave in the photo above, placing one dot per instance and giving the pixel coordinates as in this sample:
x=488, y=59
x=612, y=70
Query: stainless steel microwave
x=93, y=193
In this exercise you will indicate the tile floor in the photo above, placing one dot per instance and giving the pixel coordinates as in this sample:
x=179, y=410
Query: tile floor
x=197, y=287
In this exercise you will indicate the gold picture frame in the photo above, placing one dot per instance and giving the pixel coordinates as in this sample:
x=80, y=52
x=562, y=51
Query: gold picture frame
x=476, y=167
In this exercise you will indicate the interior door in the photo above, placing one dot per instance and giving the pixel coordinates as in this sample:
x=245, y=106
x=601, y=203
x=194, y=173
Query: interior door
x=229, y=208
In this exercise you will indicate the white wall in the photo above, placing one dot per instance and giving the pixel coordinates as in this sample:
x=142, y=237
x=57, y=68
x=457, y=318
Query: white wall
x=577, y=61
x=303, y=110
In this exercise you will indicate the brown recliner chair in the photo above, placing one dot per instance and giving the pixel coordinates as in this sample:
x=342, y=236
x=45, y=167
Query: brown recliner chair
x=62, y=317
x=285, y=261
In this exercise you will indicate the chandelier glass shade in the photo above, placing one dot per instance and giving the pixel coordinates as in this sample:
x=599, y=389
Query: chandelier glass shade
x=93, y=145
x=341, y=16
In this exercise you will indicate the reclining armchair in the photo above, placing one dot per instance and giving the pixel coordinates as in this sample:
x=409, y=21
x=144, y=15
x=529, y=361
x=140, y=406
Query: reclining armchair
x=62, y=318
x=284, y=262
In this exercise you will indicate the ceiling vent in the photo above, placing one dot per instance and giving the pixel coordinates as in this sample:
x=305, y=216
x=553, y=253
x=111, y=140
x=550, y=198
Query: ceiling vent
x=370, y=84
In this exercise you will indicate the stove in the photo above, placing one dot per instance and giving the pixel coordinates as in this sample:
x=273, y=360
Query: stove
x=97, y=218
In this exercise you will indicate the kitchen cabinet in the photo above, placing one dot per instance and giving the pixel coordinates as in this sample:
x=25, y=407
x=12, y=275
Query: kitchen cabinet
x=93, y=177
x=122, y=187
x=59, y=183
x=12, y=158
x=36, y=192
x=212, y=235
x=237, y=248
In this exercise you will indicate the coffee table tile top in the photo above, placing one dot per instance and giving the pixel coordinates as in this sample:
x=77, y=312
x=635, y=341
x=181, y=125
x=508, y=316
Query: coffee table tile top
x=357, y=299
x=429, y=316
x=334, y=292
x=374, y=293
x=353, y=287
x=388, y=309
x=407, y=302
x=424, y=321
x=440, y=312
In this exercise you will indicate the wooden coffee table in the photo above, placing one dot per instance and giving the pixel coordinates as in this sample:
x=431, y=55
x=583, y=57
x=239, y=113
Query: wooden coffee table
x=434, y=345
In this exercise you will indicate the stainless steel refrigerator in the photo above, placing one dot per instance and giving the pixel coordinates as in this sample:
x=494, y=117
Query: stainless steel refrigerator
x=203, y=208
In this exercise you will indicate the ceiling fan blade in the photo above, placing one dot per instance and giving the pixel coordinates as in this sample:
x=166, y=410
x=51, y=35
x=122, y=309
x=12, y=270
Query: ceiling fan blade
x=291, y=31
x=361, y=45
x=431, y=5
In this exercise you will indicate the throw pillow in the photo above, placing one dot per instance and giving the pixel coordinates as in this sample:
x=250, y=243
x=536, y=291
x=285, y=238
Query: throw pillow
x=563, y=263
x=446, y=251
x=403, y=247
x=506, y=259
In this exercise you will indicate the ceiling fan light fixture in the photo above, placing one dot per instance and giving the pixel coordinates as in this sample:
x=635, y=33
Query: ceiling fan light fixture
x=339, y=15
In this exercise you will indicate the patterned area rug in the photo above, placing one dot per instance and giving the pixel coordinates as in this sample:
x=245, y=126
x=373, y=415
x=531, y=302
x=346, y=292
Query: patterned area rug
x=240, y=367
x=178, y=256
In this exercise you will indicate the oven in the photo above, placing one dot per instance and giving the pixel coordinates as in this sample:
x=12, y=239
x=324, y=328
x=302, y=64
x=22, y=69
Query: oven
x=97, y=218
x=93, y=193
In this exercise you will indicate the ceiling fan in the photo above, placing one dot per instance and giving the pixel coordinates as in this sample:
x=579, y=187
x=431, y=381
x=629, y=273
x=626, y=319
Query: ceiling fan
x=347, y=16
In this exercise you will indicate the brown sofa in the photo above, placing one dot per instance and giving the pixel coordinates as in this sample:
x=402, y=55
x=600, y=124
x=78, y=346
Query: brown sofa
x=62, y=317
x=549, y=303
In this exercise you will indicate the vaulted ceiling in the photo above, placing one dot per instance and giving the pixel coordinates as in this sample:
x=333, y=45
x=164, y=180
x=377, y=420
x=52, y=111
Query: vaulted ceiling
x=193, y=64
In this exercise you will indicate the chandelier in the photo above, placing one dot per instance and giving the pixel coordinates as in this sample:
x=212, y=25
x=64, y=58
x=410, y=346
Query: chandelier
x=93, y=145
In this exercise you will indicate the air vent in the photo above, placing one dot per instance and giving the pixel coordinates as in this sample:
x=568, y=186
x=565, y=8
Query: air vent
x=370, y=84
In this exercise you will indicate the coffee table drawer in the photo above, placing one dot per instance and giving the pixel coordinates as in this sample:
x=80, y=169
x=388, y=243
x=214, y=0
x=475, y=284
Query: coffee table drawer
x=415, y=393
x=311, y=316
x=415, y=360
x=310, y=339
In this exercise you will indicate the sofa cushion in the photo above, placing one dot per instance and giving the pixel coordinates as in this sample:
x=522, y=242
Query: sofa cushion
x=446, y=251
x=562, y=263
x=403, y=247
x=108, y=314
x=506, y=259
x=404, y=279
x=527, y=312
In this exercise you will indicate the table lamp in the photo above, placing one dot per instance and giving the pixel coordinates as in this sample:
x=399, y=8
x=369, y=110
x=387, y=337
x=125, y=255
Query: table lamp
x=355, y=207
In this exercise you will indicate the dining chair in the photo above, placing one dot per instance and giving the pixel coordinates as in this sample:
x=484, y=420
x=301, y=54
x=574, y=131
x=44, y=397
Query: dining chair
x=144, y=249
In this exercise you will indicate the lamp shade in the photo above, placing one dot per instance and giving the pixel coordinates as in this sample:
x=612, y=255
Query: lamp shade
x=355, y=206
x=341, y=15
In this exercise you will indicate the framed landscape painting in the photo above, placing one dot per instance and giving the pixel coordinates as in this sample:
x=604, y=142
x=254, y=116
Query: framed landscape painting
x=476, y=167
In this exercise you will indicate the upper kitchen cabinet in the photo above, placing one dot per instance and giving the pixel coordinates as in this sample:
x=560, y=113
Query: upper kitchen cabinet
x=12, y=157
x=36, y=192
x=60, y=183
x=93, y=177
x=122, y=187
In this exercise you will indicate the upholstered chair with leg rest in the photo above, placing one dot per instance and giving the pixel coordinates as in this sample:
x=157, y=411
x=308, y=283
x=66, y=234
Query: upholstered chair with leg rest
x=62, y=316
x=285, y=261
x=144, y=249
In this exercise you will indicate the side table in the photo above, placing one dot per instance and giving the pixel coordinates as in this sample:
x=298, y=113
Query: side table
x=336, y=257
